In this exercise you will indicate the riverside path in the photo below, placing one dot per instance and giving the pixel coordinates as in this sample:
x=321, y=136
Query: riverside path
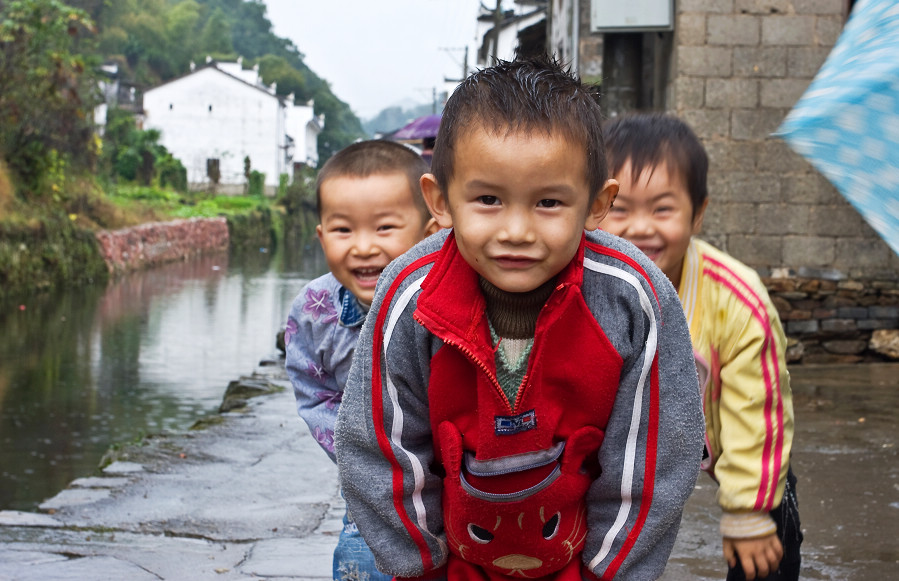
x=251, y=496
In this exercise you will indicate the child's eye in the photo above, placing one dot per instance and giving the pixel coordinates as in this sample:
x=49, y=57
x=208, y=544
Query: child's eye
x=341, y=230
x=488, y=200
x=548, y=203
x=385, y=227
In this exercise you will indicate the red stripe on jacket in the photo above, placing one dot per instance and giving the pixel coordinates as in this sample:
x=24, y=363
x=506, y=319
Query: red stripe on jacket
x=652, y=433
x=377, y=383
x=599, y=249
x=652, y=438
x=739, y=287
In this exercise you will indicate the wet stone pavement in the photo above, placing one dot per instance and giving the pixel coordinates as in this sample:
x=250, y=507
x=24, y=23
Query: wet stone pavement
x=251, y=496
x=845, y=459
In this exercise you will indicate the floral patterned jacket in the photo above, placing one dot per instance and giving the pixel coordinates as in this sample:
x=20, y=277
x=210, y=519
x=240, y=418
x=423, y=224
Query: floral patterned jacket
x=322, y=328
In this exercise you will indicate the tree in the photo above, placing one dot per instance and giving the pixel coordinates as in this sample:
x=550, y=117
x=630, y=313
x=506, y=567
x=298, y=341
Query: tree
x=216, y=35
x=136, y=154
x=48, y=90
x=181, y=25
x=342, y=127
x=276, y=69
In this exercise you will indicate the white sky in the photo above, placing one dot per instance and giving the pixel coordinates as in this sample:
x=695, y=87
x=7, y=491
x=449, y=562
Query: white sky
x=378, y=53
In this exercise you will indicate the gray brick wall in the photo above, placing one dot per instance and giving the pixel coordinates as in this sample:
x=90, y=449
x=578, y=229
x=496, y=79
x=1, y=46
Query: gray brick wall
x=737, y=68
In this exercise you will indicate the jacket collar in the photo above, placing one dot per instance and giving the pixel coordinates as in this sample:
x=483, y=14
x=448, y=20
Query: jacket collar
x=352, y=313
x=452, y=306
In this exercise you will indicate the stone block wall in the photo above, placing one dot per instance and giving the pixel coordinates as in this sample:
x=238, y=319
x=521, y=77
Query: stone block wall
x=737, y=69
x=830, y=319
x=156, y=243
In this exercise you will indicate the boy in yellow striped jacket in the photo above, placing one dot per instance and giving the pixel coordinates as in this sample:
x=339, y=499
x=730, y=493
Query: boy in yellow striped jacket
x=738, y=340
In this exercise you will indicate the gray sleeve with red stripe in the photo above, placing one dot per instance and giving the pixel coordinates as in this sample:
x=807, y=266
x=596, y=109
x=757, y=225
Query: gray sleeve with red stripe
x=384, y=443
x=653, y=443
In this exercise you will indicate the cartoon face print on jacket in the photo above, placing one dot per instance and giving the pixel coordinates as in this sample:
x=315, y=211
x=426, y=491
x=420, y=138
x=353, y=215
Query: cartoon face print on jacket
x=520, y=516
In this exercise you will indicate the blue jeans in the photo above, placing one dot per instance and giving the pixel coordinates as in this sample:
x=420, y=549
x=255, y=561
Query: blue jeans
x=353, y=560
x=790, y=532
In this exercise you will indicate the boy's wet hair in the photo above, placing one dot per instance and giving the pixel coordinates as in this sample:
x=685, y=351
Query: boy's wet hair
x=534, y=94
x=375, y=157
x=649, y=140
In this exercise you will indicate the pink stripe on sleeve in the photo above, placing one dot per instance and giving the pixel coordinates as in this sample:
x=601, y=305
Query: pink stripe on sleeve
x=771, y=373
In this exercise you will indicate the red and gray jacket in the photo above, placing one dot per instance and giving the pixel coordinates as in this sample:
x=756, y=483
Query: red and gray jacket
x=585, y=474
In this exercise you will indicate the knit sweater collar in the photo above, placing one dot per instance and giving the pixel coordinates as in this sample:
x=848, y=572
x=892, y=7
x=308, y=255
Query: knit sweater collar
x=514, y=315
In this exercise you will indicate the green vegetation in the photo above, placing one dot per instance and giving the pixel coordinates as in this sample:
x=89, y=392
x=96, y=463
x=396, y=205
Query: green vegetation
x=153, y=41
x=43, y=254
x=60, y=181
x=47, y=94
x=50, y=56
x=168, y=204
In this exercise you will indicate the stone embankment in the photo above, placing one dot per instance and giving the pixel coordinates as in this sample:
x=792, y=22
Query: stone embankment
x=832, y=319
x=155, y=243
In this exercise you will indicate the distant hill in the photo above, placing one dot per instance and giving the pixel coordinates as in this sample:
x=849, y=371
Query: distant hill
x=392, y=118
x=153, y=42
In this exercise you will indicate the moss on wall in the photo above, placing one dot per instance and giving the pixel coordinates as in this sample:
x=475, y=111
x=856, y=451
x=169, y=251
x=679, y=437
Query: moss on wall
x=255, y=229
x=53, y=252
x=43, y=254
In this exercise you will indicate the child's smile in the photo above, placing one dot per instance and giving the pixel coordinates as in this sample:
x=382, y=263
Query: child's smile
x=366, y=223
x=367, y=277
x=655, y=213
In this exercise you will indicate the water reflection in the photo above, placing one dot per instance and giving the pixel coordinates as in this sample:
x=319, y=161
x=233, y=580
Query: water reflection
x=88, y=367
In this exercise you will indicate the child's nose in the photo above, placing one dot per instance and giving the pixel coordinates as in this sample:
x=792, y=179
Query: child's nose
x=364, y=245
x=517, y=228
x=641, y=225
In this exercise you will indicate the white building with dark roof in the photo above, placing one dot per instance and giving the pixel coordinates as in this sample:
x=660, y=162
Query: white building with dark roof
x=221, y=113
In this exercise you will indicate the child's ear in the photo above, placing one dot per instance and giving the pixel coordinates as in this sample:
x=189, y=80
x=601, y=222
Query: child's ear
x=318, y=232
x=431, y=227
x=601, y=205
x=436, y=201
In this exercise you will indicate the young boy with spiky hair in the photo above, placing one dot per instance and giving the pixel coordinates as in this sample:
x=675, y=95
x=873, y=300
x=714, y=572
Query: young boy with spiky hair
x=739, y=342
x=525, y=403
x=371, y=210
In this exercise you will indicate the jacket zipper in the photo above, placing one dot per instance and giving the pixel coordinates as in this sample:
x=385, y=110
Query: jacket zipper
x=524, y=380
x=480, y=364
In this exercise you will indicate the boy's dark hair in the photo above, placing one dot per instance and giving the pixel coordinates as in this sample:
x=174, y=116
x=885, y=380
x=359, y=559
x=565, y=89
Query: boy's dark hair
x=375, y=157
x=527, y=94
x=649, y=140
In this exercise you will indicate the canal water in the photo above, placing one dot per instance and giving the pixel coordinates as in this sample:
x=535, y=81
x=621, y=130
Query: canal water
x=86, y=368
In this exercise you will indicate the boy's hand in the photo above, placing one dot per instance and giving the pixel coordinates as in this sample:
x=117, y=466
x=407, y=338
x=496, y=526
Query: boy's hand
x=759, y=556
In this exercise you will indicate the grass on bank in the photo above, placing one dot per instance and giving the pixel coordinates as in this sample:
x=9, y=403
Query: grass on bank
x=47, y=241
x=169, y=204
x=128, y=205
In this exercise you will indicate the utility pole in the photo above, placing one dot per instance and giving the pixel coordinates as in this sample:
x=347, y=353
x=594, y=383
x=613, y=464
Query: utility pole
x=497, y=22
x=464, y=65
